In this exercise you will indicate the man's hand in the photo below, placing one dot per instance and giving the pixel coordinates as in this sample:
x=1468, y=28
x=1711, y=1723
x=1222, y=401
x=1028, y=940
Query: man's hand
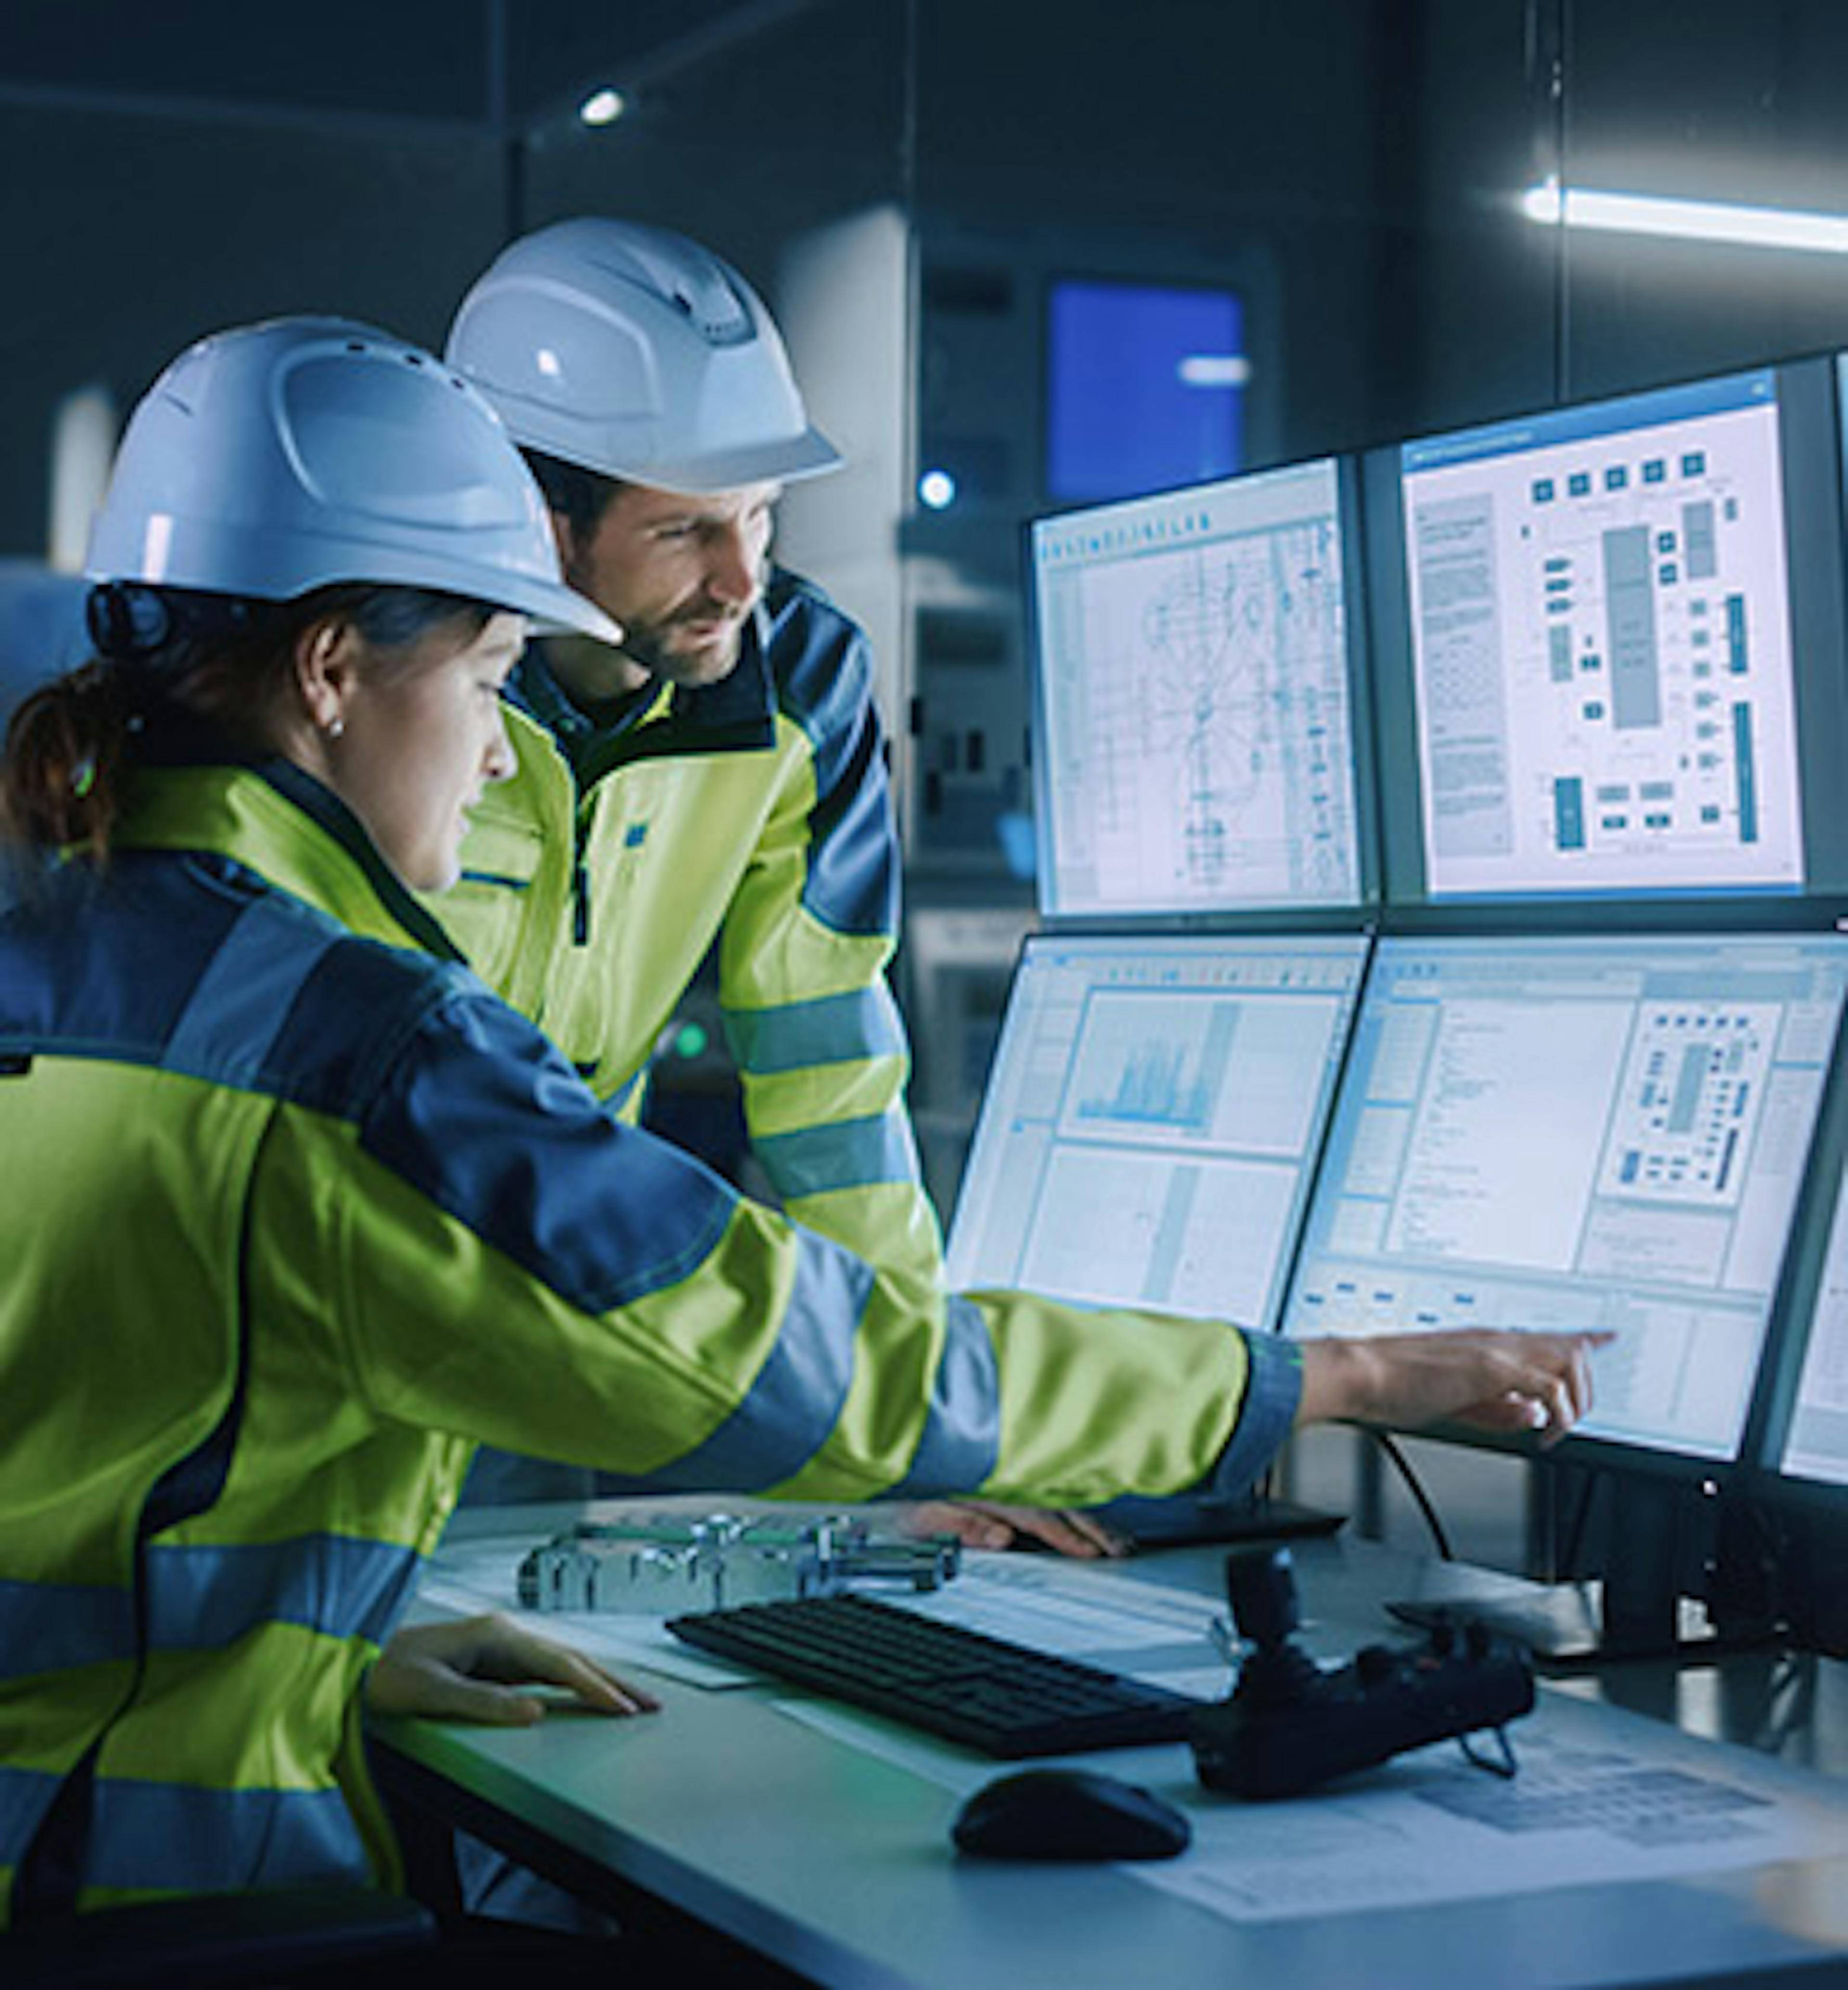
x=471, y=1670
x=1496, y=1381
x=982, y=1523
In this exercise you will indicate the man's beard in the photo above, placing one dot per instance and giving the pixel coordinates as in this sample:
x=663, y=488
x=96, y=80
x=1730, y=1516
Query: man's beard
x=650, y=644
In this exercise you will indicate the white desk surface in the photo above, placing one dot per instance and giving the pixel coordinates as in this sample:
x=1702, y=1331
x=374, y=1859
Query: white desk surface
x=836, y=1861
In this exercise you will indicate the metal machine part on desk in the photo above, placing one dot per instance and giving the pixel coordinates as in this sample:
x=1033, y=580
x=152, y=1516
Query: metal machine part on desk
x=654, y=1567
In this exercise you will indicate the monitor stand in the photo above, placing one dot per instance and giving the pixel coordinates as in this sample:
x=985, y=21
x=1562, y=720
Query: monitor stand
x=1636, y=1611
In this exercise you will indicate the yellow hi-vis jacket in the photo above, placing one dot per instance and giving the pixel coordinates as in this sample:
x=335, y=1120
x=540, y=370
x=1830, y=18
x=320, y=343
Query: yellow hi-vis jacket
x=754, y=814
x=297, y=1213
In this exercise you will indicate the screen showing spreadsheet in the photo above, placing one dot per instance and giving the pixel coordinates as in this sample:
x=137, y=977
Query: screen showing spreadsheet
x=1581, y=1131
x=1622, y=624
x=1154, y=1110
x=1195, y=740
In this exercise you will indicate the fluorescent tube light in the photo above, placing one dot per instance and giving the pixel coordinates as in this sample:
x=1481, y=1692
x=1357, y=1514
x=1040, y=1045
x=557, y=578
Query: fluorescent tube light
x=1687, y=220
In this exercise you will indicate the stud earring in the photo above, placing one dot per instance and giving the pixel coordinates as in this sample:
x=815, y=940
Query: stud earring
x=335, y=727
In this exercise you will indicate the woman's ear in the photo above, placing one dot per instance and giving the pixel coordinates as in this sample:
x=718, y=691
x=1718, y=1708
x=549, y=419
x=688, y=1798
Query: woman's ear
x=326, y=670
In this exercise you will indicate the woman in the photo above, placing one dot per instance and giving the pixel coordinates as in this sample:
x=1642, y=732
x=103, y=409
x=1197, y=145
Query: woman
x=301, y=1213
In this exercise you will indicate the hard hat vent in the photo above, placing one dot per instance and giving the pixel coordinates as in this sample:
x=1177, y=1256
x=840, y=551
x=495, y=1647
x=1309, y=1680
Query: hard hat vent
x=714, y=311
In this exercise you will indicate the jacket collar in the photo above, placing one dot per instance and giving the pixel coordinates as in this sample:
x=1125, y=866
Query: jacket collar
x=736, y=715
x=281, y=823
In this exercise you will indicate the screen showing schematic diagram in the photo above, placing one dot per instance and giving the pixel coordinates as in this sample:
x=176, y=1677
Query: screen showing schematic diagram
x=1601, y=631
x=1153, y=1113
x=1569, y=1132
x=1194, y=749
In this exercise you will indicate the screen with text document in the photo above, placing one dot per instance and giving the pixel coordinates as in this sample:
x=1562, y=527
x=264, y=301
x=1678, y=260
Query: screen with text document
x=1577, y=1131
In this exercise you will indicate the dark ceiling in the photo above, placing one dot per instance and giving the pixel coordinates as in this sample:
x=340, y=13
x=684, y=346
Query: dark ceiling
x=486, y=63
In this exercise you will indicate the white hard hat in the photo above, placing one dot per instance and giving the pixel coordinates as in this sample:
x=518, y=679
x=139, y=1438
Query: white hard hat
x=280, y=457
x=634, y=352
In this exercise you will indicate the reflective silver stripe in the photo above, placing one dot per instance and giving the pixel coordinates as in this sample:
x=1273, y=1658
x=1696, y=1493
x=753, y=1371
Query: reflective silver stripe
x=832, y=1029
x=180, y=1837
x=238, y=1009
x=203, y=1598
x=1272, y=1389
x=847, y=1153
x=798, y=1396
x=50, y=1627
x=962, y=1438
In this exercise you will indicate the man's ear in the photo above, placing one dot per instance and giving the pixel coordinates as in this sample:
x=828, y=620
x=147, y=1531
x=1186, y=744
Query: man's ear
x=326, y=661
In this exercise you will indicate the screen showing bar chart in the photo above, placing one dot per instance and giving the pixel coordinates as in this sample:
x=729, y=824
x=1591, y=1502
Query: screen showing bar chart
x=1151, y=1119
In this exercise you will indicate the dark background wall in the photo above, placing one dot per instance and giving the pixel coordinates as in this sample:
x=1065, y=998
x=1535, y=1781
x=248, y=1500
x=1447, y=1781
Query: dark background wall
x=163, y=170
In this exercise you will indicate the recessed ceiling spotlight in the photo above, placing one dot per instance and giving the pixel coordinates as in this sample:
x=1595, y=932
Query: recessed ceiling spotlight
x=601, y=106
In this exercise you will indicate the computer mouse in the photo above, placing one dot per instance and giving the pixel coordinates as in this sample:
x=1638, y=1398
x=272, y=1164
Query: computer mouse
x=1072, y=1814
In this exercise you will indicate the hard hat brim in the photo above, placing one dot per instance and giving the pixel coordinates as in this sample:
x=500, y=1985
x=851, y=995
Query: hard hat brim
x=592, y=446
x=808, y=455
x=214, y=558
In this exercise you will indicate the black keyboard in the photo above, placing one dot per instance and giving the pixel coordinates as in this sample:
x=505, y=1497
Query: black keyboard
x=1001, y=1699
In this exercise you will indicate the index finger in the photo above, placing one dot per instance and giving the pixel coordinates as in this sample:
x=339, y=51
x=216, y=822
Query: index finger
x=1558, y=1388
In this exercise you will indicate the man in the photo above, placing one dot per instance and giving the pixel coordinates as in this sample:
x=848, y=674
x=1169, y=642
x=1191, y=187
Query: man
x=719, y=783
x=722, y=778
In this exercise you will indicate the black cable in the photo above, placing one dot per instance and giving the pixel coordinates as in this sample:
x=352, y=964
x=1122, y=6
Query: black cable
x=1401, y=1464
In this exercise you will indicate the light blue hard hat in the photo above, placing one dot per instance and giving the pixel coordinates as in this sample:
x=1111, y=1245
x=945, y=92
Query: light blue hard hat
x=280, y=457
x=634, y=352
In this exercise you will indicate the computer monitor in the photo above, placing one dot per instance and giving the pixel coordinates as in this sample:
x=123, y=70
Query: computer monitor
x=1198, y=727
x=1795, y=1518
x=1566, y=1131
x=1802, y=1441
x=1582, y=1130
x=1154, y=1114
x=1609, y=648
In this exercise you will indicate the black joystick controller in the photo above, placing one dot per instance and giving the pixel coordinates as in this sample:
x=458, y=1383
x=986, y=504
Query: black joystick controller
x=1290, y=1724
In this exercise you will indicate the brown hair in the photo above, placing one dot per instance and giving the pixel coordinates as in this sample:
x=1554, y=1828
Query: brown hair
x=580, y=496
x=71, y=747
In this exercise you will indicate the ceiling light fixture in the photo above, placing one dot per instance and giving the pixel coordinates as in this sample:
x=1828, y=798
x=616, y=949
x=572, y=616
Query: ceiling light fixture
x=601, y=106
x=1686, y=220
